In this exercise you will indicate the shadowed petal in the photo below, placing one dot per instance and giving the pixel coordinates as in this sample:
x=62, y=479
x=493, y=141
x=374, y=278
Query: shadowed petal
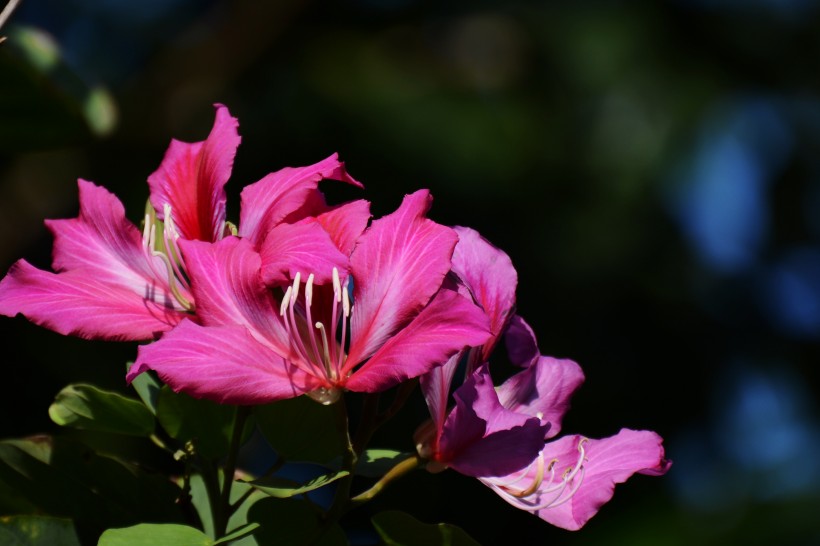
x=448, y=324
x=489, y=274
x=398, y=264
x=192, y=178
x=482, y=438
x=266, y=203
x=226, y=364
x=300, y=248
x=435, y=385
x=543, y=390
x=74, y=303
x=522, y=347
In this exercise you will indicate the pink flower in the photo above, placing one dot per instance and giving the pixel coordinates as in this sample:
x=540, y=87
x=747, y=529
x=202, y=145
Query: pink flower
x=110, y=282
x=257, y=344
x=498, y=435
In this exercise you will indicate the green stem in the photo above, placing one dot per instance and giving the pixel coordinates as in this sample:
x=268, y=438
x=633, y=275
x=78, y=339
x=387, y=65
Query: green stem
x=349, y=458
x=224, y=503
x=407, y=465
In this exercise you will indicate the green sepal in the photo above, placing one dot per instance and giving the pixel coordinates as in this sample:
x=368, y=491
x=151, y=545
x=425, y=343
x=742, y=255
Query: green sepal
x=90, y=408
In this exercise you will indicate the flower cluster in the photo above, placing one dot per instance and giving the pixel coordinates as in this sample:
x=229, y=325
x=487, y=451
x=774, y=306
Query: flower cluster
x=306, y=298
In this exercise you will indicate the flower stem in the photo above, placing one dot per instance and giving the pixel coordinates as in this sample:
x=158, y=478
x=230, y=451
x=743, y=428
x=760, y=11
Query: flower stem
x=407, y=465
x=349, y=458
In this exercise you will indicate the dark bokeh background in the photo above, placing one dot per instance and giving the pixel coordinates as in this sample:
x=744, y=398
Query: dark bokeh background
x=651, y=168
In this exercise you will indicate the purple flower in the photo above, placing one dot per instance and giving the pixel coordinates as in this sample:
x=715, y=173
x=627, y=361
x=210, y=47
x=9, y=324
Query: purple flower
x=500, y=435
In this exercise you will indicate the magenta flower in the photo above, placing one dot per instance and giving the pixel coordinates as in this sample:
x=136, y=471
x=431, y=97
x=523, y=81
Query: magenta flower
x=256, y=344
x=110, y=282
x=565, y=481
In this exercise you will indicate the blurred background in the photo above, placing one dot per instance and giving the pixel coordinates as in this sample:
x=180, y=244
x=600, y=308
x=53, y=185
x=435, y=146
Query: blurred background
x=652, y=168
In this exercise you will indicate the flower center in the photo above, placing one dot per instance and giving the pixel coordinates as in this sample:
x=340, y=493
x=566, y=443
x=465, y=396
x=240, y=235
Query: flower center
x=545, y=489
x=320, y=346
x=167, y=250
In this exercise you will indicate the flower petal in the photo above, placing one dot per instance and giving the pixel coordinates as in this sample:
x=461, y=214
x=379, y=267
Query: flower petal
x=224, y=363
x=489, y=274
x=543, y=390
x=302, y=248
x=192, y=178
x=448, y=324
x=397, y=266
x=104, y=244
x=75, y=303
x=522, y=347
x=606, y=462
x=435, y=385
x=345, y=223
x=267, y=202
x=482, y=438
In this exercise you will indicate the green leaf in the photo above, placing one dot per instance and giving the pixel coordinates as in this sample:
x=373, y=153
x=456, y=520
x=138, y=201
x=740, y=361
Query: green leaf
x=242, y=532
x=37, y=531
x=300, y=429
x=153, y=534
x=147, y=388
x=202, y=504
x=291, y=522
x=374, y=463
x=282, y=488
x=63, y=478
x=207, y=424
x=90, y=408
x=400, y=529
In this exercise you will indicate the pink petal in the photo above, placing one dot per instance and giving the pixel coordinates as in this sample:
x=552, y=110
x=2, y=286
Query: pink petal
x=104, y=244
x=482, y=438
x=302, y=248
x=267, y=202
x=489, y=274
x=346, y=223
x=543, y=390
x=435, y=385
x=227, y=284
x=75, y=303
x=225, y=364
x=192, y=178
x=606, y=462
x=397, y=266
x=448, y=324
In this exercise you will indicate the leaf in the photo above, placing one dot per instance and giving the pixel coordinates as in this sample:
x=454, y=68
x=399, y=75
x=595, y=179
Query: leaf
x=147, y=388
x=207, y=424
x=90, y=408
x=291, y=522
x=153, y=534
x=63, y=478
x=37, y=531
x=242, y=532
x=400, y=529
x=300, y=429
x=374, y=463
x=282, y=488
x=202, y=504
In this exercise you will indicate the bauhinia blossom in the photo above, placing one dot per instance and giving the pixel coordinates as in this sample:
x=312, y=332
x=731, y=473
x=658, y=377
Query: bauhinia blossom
x=500, y=435
x=386, y=318
x=112, y=282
